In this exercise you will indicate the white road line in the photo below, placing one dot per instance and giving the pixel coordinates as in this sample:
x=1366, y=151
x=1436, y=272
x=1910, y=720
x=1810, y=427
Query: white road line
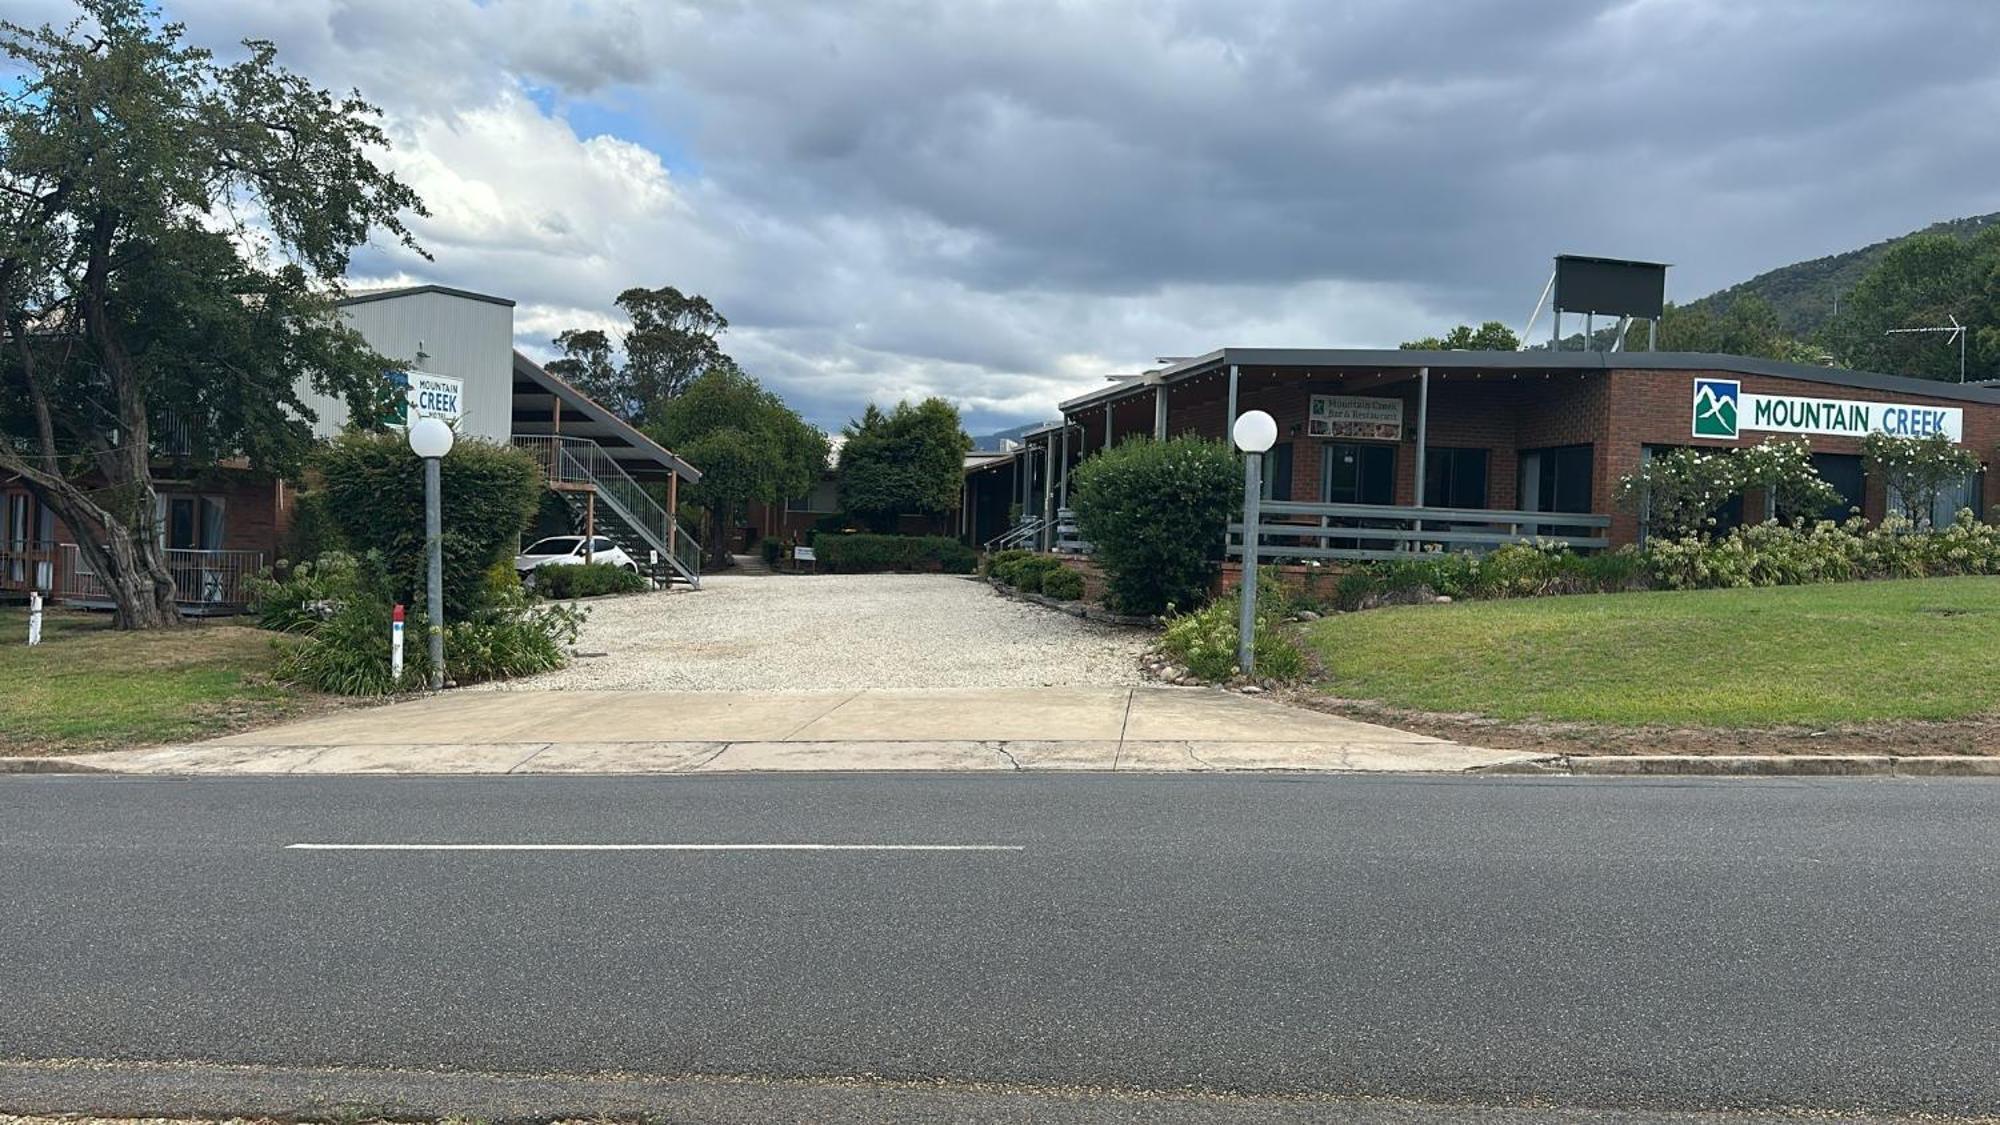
x=655, y=847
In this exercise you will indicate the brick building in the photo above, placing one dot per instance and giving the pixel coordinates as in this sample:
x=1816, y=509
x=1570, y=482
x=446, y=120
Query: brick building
x=223, y=523
x=1505, y=433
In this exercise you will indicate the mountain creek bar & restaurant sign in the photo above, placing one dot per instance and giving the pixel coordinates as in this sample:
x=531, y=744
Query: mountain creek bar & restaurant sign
x=1722, y=410
x=1352, y=416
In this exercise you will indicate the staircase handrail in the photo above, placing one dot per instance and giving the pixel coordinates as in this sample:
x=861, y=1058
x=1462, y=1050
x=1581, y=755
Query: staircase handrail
x=575, y=460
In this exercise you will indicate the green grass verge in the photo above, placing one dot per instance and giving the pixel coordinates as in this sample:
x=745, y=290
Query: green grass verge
x=89, y=687
x=1851, y=652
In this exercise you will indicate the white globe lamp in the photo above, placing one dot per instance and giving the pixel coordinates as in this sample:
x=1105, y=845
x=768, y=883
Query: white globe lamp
x=430, y=438
x=1255, y=432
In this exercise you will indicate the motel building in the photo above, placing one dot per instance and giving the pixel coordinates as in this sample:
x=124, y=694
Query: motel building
x=1462, y=450
x=224, y=524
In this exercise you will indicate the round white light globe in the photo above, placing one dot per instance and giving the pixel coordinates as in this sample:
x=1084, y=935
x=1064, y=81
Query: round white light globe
x=1255, y=432
x=430, y=437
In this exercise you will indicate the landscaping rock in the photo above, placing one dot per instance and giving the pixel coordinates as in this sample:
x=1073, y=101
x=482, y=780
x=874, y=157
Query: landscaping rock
x=1307, y=615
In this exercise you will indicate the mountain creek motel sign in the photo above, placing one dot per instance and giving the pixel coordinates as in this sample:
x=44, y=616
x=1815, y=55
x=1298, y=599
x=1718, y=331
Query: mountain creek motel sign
x=1721, y=410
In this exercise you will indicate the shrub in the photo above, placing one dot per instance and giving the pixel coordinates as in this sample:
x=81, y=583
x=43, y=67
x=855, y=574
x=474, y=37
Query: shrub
x=1001, y=565
x=1155, y=513
x=1063, y=584
x=1774, y=554
x=1681, y=491
x=1914, y=471
x=337, y=611
x=312, y=532
x=1031, y=572
x=863, y=553
x=1205, y=640
x=511, y=637
x=586, y=580
x=773, y=549
x=374, y=490
x=308, y=594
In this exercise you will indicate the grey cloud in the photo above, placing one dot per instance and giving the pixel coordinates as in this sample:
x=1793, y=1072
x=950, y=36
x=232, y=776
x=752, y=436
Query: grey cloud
x=980, y=199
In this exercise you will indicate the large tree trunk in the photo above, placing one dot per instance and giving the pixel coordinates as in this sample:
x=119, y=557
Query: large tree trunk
x=118, y=535
x=124, y=554
x=718, y=538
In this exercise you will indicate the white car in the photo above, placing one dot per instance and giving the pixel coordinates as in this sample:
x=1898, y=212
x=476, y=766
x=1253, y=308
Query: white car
x=568, y=550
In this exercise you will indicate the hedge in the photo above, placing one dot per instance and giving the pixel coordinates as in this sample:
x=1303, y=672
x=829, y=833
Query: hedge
x=863, y=553
x=374, y=496
x=1063, y=584
x=562, y=582
x=1156, y=511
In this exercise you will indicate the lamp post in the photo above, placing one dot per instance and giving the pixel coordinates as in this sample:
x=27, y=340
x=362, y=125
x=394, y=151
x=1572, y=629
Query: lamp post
x=1255, y=432
x=430, y=439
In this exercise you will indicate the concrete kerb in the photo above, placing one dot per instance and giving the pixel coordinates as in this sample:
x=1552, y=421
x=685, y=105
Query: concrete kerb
x=1756, y=765
x=1031, y=757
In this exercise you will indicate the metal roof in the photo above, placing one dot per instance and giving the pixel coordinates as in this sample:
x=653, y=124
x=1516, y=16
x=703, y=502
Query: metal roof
x=363, y=296
x=1399, y=359
x=625, y=444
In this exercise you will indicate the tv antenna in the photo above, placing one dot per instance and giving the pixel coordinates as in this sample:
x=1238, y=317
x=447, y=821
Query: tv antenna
x=1956, y=330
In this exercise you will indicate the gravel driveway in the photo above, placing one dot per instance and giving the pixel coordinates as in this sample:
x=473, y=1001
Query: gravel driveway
x=839, y=632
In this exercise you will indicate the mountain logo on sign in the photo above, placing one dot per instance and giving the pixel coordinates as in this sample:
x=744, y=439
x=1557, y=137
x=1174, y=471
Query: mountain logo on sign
x=1715, y=403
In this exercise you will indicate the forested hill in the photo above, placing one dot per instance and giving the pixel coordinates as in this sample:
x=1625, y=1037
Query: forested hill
x=1803, y=293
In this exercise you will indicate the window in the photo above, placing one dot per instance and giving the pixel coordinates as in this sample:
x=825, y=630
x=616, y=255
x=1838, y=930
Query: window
x=1951, y=496
x=824, y=499
x=559, y=545
x=18, y=526
x=1277, y=472
x=1843, y=472
x=1556, y=480
x=194, y=523
x=1455, y=478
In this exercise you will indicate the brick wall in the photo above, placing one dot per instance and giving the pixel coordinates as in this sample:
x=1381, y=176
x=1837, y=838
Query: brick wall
x=1655, y=408
x=1614, y=412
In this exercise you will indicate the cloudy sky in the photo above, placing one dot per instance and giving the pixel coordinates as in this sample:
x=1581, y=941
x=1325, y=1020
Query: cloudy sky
x=1001, y=202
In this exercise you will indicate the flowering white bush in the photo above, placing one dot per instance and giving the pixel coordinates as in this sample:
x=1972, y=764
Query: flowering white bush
x=1775, y=554
x=1681, y=491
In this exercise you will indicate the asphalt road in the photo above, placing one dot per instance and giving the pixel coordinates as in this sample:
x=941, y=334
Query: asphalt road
x=1644, y=944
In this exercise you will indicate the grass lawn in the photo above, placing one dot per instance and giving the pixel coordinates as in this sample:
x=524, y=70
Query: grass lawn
x=88, y=687
x=1811, y=655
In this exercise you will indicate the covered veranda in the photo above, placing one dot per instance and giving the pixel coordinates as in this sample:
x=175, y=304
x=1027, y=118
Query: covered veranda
x=1424, y=450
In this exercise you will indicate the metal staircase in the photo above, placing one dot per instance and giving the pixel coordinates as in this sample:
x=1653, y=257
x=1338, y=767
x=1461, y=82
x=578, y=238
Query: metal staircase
x=579, y=469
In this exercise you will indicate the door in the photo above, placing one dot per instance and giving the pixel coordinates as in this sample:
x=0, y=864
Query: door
x=1354, y=473
x=1357, y=473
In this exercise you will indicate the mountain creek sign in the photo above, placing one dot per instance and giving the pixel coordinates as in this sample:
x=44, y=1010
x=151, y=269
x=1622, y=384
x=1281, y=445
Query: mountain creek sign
x=1722, y=410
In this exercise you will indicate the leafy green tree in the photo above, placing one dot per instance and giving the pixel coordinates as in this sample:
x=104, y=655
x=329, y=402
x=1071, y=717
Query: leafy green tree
x=1922, y=282
x=909, y=461
x=672, y=342
x=1749, y=326
x=749, y=444
x=138, y=327
x=1491, y=336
